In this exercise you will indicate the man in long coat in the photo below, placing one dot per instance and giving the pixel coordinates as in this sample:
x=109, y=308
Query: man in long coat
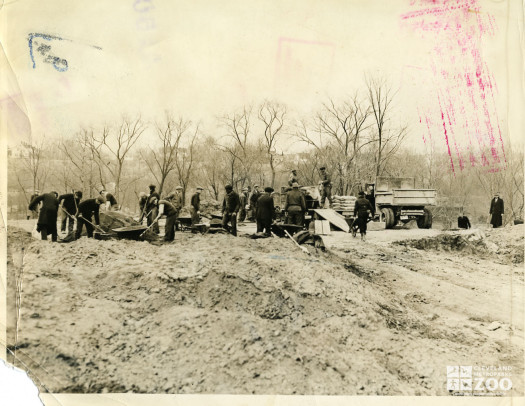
x=230, y=208
x=265, y=211
x=47, y=217
x=497, y=209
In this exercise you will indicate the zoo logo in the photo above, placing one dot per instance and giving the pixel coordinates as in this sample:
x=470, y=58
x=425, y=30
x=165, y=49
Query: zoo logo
x=460, y=378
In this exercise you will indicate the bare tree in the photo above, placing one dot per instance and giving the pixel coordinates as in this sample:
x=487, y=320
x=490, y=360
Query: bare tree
x=388, y=141
x=272, y=115
x=185, y=154
x=34, y=166
x=117, y=146
x=338, y=128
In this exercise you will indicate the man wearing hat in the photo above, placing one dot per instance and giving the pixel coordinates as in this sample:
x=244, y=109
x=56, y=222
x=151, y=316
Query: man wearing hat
x=34, y=212
x=253, y=202
x=152, y=208
x=497, y=209
x=195, y=206
x=295, y=205
x=230, y=207
x=88, y=209
x=177, y=199
x=243, y=198
x=326, y=184
x=362, y=210
x=265, y=212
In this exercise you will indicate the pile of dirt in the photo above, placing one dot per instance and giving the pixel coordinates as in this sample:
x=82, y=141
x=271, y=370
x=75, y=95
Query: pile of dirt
x=110, y=220
x=219, y=314
x=470, y=243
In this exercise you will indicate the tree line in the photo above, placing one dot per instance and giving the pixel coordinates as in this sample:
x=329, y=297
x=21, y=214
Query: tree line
x=357, y=139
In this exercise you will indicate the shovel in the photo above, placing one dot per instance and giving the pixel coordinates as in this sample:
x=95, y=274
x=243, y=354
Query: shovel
x=296, y=243
x=151, y=225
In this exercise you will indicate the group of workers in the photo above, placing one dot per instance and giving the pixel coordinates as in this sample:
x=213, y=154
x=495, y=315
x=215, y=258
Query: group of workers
x=252, y=205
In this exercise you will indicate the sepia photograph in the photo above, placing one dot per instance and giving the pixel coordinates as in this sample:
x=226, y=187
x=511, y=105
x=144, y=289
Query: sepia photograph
x=263, y=198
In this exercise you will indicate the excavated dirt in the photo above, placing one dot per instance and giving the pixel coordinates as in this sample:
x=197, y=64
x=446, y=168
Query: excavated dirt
x=219, y=314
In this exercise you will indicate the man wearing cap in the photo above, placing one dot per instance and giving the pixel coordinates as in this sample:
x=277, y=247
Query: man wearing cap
x=293, y=178
x=167, y=207
x=253, y=202
x=230, y=207
x=362, y=209
x=295, y=205
x=47, y=216
x=243, y=199
x=69, y=203
x=143, y=198
x=152, y=209
x=326, y=184
x=195, y=206
x=86, y=211
x=265, y=212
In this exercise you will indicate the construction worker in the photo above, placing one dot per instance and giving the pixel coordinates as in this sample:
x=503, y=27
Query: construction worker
x=195, y=205
x=230, y=207
x=86, y=211
x=265, y=212
x=326, y=187
x=69, y=204
x=293, y=178
x=295, y=205
x=152, y=208
x=253, y=202
x=47, y=216
x=370, y=196
x=167, y=207
x=363, y=209
x=243, y=197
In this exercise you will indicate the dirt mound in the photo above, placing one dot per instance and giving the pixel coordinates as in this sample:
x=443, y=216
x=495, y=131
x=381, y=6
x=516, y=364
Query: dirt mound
x=110, y=220
x=219, y=314
x=471, y=243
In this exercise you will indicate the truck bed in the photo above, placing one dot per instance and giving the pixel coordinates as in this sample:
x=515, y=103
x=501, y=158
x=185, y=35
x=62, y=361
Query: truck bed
x=407, y=197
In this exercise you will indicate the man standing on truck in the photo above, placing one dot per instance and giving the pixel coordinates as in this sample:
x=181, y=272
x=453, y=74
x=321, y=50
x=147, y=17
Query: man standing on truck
x=326, y=184
x=362, y=210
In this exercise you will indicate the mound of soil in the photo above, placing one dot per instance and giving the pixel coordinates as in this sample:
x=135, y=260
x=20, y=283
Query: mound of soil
x=447, y=242
x=219, y=314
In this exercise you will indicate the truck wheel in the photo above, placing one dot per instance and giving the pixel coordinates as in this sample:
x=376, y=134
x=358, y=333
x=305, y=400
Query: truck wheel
x=425, y=221
x=388, y=216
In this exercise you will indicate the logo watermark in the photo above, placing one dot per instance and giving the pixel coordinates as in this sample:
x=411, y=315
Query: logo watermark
x=485, y=380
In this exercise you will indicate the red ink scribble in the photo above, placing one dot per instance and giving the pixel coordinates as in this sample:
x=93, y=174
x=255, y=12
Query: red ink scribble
x=463, y=84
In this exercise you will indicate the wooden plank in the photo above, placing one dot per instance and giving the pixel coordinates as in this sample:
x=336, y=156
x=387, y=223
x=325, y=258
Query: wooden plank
x=334, y=218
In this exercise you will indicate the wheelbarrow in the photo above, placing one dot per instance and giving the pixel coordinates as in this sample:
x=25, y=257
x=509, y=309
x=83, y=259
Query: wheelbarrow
x=130, y=232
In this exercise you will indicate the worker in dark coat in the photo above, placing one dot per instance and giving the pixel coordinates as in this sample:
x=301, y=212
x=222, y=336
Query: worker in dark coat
x=253, y=202
x=152, y=208
x=295, y=205
x=166, y=207
x=362, y=209
x=497, y=209
x=463, y=222
x=370, y=196
x=69, y=203
x=47, y=217
x=86, y=211
x=195, y=206
x=326, y=187
x=230, y=207
x=111, y=202
x=265, y=211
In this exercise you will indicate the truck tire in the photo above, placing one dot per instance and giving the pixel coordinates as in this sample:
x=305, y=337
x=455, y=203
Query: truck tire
x=388, y=215
x=425, y=221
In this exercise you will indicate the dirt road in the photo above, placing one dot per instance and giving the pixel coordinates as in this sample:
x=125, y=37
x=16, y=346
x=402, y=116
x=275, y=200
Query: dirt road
x=219, y=314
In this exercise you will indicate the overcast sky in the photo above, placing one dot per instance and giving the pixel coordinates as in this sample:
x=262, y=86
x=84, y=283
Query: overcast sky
x=202, y=59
